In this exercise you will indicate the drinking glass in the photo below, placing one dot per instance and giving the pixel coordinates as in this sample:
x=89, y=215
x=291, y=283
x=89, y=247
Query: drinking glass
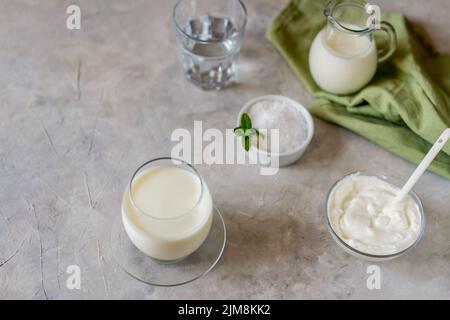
x=161, y=239
x=167, y=238
x=209, y=36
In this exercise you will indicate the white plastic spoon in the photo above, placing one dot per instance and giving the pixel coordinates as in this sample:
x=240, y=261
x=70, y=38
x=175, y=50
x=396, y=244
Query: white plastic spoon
x=439, y=144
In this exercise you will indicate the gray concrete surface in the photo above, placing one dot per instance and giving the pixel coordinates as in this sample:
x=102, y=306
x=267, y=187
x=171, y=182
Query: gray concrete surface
x=79, y=110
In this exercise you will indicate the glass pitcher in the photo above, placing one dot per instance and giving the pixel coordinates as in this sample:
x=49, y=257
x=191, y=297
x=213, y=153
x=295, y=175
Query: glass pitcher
x=344, y=56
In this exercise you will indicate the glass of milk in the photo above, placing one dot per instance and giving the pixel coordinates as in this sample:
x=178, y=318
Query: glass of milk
x=344, y=57
x=167, y=209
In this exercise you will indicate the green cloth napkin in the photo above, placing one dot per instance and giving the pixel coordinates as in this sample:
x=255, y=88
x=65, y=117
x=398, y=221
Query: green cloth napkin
x=403, y=109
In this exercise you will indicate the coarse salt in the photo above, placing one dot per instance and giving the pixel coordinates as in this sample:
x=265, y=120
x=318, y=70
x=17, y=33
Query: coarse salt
x=274, y=114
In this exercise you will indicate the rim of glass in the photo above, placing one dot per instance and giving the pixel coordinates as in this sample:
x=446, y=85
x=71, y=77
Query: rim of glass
x=365, y=254
x=180, y=163
x=180, y=29
x=330, y=9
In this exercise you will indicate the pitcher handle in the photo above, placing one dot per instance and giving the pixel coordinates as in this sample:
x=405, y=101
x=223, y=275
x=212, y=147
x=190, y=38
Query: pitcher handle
x=386, y=52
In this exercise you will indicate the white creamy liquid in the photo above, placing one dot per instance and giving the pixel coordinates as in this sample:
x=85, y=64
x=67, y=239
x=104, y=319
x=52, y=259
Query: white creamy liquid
x=166, y=194
x=342, y=63
x=361, y=213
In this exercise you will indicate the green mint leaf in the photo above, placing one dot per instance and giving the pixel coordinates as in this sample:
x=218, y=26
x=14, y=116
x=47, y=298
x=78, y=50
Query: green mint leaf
x=247, y=143
x=246, y=122
x=245, y=131
x=250, y=132
x=239, y=132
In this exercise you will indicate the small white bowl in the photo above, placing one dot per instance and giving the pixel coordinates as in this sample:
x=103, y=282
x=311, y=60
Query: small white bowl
x=286, y=158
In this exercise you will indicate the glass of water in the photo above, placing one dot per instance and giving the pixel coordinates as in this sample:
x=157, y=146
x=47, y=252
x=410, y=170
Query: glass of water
x=209, y=34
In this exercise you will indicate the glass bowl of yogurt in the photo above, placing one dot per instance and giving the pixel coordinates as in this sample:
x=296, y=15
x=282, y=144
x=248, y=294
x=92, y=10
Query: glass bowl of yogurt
x=365, y=221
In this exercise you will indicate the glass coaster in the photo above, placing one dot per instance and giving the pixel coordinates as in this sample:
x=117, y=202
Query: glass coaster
x=172, y=273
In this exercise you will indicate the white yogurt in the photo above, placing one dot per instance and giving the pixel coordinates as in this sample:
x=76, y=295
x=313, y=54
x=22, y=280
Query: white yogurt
x=342, y=63
x=175, y=216
x=361, y=213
